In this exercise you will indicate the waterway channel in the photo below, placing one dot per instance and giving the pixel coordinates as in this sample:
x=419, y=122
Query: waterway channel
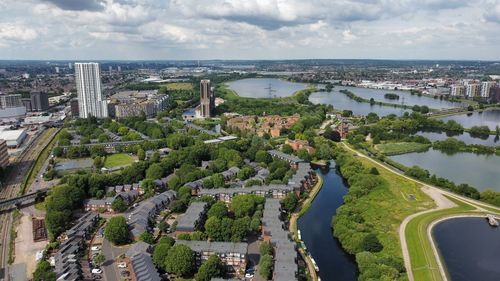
x=315, y=227
x=490, y=118
x=470, y=249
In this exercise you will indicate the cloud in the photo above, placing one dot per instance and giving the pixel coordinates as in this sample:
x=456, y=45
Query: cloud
x=16, y=32
x=493, y=13
x=78, y=5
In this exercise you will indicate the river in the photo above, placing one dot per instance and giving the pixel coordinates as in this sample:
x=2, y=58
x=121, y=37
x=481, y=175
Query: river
x=490, y=118
x=259, y=87
x=479, y=171
x=465, y=137
x=315, y=227
x=470, y=249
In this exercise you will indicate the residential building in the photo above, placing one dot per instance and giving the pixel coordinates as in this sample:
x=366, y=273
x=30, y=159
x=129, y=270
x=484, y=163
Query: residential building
x=207, y=99
x=75, y=111
x=233, y=255
x=133, y=103
x=88, y=85
x=473, y=90
x=457, y=90
x=486, y=88
x=39, y=101
x=291, y=159
x=193, y=219
x=4, y=155
x=143, y=268
x=271, y=124
x=300, y=144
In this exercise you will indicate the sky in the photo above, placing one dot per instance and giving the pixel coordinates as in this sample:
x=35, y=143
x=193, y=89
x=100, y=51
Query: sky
x=249, y=29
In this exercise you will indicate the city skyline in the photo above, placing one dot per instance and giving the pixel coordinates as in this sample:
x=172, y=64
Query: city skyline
x=150, y=30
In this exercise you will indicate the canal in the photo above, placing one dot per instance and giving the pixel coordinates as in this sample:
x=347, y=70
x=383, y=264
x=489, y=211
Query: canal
x=315, y=227
x=470, y=249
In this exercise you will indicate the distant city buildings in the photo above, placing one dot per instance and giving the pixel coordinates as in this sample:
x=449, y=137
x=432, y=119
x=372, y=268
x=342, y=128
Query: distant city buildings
x=4, y=155
x=88, y=85
x=38, y=101
x=75, y=111
x=207, y=99
x=11, y=105
x=473, y=90
x=486, y=87
x=133, y=103
x=457, y=90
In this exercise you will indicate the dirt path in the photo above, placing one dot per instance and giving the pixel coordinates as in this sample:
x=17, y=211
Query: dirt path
x=26, y=249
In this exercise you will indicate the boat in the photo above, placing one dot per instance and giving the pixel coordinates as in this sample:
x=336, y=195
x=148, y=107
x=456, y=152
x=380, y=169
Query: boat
x=298, y=235
x=492, y=220
x=314, y=264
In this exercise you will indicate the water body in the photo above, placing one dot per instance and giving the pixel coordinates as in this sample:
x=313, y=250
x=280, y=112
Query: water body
x=409, y=99
x=342, y=102
x=479, y=171
x=490, y=118
x=315, y=227
x=470, y=249
x=465, y=137
x=259, y=87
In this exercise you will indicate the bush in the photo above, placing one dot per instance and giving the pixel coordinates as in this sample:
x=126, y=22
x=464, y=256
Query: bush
x=371, y=243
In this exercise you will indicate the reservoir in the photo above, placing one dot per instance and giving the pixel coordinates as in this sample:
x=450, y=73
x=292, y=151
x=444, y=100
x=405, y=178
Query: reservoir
x=342, y=102
x=315, y=227
x=490, y=118
x=479, y=171
x=465, y=137
x=404, y=96
x=259, y=87
x=470, y=249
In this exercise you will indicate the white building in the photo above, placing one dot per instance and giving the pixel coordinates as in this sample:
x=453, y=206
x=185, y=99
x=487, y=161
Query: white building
x=88, y=85
x=486, y=87
x=14, y=138
x=457, y=90
x=472, y=90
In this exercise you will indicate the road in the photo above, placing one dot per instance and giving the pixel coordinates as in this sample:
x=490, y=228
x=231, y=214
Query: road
x=109, y=268
x=438, y=195
x=11, y=188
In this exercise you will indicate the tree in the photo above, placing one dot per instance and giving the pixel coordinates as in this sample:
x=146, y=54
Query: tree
x=265, y=266
x=303, y=154
x=374, y=171
x=213, y=228
x=180, y=260
x=371, y=243
x=286, y=148
x=289, y=203
x=218, y=180
x=166, y=240
x=263, y=157
x=265, y=248
x=160, y=254
x=155, y=171
x=212, y=268
x=116, y=230
x=239, y=228
x=243, y=205
x=147, y=237
x=98, y=162
x=44, y=272
x=119, y=205
x=141, y=155
x=218, y=210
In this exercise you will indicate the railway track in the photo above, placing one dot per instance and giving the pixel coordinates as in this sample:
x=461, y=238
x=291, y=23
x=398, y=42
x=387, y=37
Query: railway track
x=11, y=188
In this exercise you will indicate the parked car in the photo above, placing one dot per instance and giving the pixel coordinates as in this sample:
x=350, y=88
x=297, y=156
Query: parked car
x=96, y=271
x=95, y=248
x=249, y=275
x=122, y=265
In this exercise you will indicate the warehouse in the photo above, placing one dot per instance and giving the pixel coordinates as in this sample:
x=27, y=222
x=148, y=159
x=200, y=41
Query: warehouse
x=14, y=138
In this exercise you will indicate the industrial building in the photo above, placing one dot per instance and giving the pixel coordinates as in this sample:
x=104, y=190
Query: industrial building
x=13, y=138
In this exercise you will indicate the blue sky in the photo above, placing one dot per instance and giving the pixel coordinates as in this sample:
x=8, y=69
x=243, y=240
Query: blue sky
x=249, y=29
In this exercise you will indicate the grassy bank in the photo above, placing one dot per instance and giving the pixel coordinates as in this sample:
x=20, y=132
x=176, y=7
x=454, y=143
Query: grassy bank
x=117, y=160
x=396, y=148
x=423, y=261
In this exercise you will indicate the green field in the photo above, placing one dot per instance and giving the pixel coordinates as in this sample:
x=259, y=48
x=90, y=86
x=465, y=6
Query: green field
x=423, y=260
x=116, y=160
x=179, y=86
x=386, y=207
x=395, y=148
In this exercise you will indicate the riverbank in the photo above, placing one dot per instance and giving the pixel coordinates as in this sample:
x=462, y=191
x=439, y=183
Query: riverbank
x=304, y=206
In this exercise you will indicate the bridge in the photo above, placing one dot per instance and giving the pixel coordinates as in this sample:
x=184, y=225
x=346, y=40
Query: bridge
x=23, y=198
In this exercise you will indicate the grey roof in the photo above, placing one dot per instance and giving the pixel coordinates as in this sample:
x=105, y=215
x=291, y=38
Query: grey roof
x=247, y=190
x=139, y=219
x=143, y=267
x=284, y=156
x=137, y=248
x=216, y=247
x=190, y=219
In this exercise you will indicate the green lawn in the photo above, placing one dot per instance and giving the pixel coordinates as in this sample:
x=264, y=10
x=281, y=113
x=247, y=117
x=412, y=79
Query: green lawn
x=179, y=86
x=395, y=148
x=423, y=261
x=120, y=159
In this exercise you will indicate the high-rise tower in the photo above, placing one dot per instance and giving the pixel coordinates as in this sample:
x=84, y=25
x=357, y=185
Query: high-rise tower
x=207, y=99
x=88, y=85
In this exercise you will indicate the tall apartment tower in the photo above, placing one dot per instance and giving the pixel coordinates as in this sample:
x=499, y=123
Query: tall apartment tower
x=486, y=88
x=39, y=101
x=88, y=85
x=207, y=98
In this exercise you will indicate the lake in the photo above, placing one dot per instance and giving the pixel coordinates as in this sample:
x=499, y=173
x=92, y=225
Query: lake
x=479, y=171
x=259, y=87
x=490, y=118
x=465, y=137
x=409, y=99
x=315, y=227
x=470, y=249
x=342, y=102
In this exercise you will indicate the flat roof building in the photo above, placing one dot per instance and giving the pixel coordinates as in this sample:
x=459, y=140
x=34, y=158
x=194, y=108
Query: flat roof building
x=14, y=138
x=193, y=218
